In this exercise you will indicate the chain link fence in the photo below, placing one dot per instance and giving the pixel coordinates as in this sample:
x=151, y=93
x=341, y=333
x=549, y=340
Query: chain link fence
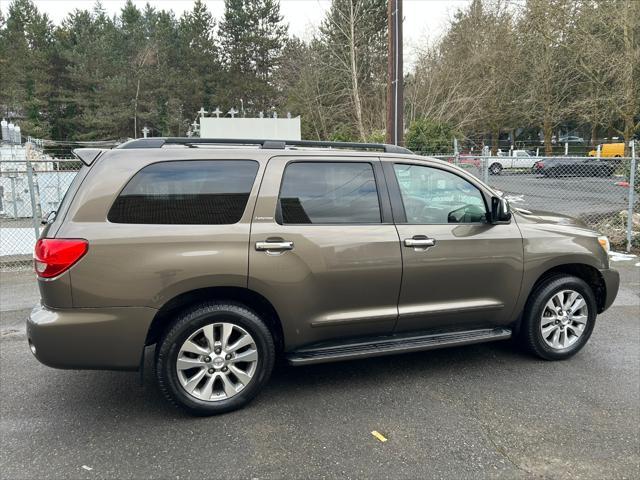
x=28, y=191
x=600, y=191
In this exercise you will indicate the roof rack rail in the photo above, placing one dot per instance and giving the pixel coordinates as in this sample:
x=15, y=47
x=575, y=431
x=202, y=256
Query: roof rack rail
x=159, y=142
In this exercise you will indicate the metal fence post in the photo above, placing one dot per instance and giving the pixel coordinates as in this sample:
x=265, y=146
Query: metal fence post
x=484, y=164
x=14, y=199
x=456, y=153
x=32, y=194
x=632, y=183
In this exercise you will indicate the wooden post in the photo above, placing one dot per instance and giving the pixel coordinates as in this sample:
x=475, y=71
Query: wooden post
x=395, y=77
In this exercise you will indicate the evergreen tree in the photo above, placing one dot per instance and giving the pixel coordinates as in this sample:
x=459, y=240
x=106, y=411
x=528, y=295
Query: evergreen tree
x=199, y=71
x=27, y=47
x=252, y=37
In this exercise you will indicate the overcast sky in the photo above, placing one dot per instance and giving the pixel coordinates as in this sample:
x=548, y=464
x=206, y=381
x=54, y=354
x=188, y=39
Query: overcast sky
x=423, y=19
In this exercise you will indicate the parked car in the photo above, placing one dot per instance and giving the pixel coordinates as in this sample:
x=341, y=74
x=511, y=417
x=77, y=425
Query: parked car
x=517, y=159
x=584, y=167
x=466, y=160
x=609, y=150
x=572, y=139
x=227, y=258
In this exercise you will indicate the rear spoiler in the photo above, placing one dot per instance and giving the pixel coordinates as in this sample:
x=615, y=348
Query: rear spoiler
x=88, y=155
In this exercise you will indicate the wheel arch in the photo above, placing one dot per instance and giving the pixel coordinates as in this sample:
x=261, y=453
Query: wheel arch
x=585, y=272
x=251, y=299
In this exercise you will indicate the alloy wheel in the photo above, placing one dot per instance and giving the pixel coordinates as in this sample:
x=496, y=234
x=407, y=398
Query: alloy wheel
x=217, y=361
x=564, y=319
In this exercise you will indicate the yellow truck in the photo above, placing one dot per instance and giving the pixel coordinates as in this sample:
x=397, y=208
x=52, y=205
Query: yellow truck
x=609, y=150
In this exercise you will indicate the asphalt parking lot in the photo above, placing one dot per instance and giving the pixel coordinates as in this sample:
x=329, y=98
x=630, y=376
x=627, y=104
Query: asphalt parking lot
x=485, y=411
x=574, y=196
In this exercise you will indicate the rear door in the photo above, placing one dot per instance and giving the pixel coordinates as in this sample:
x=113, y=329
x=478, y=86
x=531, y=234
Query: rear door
x=324, y=250
x=458, y=270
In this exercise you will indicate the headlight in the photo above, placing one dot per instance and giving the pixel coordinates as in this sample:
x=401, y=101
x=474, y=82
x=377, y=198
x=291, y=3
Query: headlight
x=604, y=243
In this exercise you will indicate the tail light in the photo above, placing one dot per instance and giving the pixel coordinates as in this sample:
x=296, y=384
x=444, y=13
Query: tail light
x=53, y=256
x=539, y=164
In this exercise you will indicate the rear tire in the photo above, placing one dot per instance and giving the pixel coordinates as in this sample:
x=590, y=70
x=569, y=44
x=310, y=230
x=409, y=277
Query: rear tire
x=206, y=336
x=559, y=317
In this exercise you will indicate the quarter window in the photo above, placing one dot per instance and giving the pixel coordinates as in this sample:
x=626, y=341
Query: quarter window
x=434, y=196
x=329, y=192
x=186, y=192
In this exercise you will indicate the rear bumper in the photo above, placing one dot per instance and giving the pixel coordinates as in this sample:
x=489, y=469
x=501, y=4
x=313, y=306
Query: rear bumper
x=612, y=284
x=89, y=338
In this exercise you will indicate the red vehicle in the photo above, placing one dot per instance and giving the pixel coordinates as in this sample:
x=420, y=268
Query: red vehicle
x=466, y=159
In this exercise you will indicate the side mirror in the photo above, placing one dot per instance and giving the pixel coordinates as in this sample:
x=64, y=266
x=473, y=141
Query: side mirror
x=49, y=218
x=500, y=212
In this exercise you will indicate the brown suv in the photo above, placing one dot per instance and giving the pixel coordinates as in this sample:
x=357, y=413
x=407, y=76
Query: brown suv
x=228, y=254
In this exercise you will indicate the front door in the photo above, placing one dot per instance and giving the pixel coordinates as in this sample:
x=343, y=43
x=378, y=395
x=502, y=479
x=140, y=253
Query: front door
x=324, y=250
x=459, y=271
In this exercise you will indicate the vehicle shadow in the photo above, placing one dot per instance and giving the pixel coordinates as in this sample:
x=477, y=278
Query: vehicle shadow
x=123, y=395
x=330, y=378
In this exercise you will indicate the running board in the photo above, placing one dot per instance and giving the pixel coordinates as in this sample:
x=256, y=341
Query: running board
x=392, y=344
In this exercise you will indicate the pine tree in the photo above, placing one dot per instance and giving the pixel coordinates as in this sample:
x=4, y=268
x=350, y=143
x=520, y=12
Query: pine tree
x=252, y=37
x=199, y=68
x=27, y=38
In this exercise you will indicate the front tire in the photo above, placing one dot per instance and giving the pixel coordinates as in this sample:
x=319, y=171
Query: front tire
x=215, y=358
x=495, y=169
x=559, y=317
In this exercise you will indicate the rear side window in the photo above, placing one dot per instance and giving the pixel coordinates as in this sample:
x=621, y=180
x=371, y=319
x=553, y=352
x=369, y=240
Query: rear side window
x=186, y=192
x=329, y=192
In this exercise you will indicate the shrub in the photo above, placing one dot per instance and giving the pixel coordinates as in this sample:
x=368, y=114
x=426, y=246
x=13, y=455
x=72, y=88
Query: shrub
x=429, y=136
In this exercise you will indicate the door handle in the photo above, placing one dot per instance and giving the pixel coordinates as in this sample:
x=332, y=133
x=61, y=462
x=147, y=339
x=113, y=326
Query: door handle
x=419, y=242
x=274, y=246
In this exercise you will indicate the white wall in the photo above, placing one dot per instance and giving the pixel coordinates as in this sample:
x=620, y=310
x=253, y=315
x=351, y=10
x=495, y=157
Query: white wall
x=251, y=128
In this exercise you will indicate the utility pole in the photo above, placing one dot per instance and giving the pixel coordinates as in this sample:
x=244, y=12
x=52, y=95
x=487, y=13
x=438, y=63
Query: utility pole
x=395, y=97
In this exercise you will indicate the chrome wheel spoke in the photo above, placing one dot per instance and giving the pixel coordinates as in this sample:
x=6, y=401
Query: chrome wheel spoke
x=208, y=333
x=575, y=330
x=549, y=320
x=549, y=329
x=194, y=348
x=563, y=338
x=571, y=298
x=246, y=356
x=243, y=377
x=241, y=342
x=191, y=384
x=577, y=304
x=551, y=307
x=207, y=390
x=227, y=385
x=186, y=363
x=582, y=319
x=227, y=329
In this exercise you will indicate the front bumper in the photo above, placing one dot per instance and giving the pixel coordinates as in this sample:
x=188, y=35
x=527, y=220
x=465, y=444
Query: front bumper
x=612, y=284
x=89, y=338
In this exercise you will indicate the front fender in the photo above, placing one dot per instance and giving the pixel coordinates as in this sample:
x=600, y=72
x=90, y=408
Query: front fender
x=549, y=246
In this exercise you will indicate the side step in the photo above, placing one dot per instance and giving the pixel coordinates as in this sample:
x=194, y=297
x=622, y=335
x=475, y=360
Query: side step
x=388, y=345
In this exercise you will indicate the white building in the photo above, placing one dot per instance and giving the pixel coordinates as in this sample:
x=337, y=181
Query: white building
x=250, y=128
